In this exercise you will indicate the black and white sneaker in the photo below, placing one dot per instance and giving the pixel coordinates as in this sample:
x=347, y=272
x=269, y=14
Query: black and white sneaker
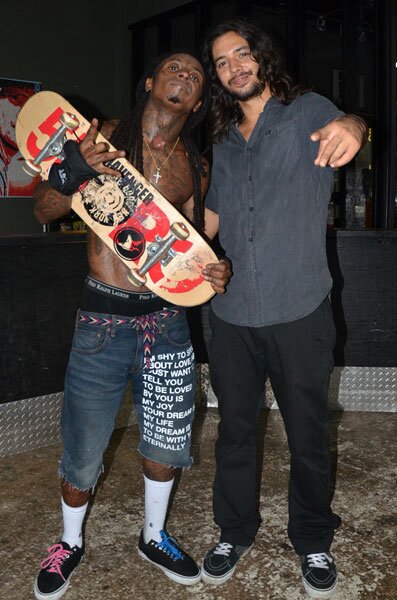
x=170, y=558
x=320, y=576
x=220, y=562
x=56, y=570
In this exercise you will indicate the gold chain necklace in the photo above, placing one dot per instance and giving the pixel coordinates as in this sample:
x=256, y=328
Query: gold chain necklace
x=157, y=176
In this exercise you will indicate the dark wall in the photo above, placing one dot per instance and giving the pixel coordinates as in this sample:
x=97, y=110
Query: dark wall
x=364, y=297
x=42, y=278
x=79, y=49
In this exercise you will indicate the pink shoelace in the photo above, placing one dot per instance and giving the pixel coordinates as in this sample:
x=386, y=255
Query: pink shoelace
x=54, y=561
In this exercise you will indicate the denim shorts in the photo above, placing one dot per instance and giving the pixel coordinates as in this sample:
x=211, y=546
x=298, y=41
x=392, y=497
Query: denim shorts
x=155, y=353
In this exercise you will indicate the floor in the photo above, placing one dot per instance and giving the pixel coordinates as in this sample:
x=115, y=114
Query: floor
x=364, y=547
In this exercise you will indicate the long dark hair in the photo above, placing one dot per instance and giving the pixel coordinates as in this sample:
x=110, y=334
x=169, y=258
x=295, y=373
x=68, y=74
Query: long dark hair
x=128, y=134
x=225, y=109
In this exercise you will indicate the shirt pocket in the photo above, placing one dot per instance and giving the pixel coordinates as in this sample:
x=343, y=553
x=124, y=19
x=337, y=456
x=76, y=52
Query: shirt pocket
x=281, y=143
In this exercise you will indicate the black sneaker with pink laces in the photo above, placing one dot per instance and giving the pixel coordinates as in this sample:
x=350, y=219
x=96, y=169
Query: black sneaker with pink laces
x=56, y=570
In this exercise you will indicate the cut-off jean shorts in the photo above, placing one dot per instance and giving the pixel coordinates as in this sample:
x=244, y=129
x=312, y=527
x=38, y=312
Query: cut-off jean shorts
x=154, y=352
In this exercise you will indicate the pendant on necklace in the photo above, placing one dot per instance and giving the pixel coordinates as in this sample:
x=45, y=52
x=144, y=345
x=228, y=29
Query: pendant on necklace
x=157, y=176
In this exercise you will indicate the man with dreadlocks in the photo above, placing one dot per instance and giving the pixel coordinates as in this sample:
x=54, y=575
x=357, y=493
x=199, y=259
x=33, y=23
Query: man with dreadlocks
x=275, y=147
x=114, y=316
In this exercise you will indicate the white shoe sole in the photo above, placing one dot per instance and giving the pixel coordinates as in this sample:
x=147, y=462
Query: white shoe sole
x=173, y=576
x=207, y=578
x=212, y=580
x=313, y=593
x=54, y=595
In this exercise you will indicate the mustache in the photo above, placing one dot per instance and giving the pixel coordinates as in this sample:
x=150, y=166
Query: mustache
x=241, y=74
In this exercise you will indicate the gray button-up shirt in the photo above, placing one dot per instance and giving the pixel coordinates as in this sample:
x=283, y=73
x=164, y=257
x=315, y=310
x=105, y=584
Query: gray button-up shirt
x=272, y=203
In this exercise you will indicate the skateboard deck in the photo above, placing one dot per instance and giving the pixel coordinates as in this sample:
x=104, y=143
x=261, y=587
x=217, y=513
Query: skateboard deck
x=161, y=249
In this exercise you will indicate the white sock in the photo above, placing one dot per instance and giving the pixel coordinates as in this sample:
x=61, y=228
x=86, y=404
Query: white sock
x=72, y=524
x=157, y=495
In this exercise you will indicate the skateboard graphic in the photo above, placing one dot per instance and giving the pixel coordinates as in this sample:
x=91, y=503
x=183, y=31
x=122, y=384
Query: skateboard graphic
x=160, y=247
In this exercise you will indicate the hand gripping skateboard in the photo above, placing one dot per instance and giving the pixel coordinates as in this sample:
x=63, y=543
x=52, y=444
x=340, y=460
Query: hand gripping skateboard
x=159, y=246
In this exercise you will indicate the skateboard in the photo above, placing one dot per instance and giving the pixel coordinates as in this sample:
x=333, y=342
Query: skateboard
x=161, y=249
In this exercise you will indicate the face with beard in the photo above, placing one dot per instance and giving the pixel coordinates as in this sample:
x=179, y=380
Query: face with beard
x=236, y=68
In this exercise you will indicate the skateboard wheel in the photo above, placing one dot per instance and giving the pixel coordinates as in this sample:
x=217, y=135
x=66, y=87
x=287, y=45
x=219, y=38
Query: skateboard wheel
x=135, y=278
x=180, y=231
x=30, y=168
x=69, y=121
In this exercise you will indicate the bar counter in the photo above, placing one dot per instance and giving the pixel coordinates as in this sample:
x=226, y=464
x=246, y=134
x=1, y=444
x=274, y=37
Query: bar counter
x=42, y=276
x=41, y=280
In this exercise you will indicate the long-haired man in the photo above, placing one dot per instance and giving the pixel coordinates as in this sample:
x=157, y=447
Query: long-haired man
x=275, y=147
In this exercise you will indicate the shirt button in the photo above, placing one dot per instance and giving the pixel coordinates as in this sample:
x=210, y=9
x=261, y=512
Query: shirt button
x=249, y=178
x=251, y=208
x=250, y=239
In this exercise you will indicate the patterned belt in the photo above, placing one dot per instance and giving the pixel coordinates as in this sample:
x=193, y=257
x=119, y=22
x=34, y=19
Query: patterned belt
x=146, y=323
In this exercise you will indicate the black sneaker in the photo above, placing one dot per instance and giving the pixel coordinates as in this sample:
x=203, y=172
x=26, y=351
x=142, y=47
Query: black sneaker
x=171, y=559
x=320, y=576
x=56, y=570
x=220, y=562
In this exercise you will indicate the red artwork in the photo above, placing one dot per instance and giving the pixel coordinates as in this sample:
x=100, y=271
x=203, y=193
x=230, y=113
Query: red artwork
x=13, y=180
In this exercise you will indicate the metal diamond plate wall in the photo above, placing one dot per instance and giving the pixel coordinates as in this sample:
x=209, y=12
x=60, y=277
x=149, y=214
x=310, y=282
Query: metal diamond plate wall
x=28, y=424
x=34, y=422
x=364, y=389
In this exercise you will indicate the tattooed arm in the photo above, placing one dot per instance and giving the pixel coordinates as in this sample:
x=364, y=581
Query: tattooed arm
x=188, y=206
x=49, y=204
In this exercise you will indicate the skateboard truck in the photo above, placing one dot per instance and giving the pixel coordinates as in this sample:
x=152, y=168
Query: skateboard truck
x=158, y=251
x=54, y=146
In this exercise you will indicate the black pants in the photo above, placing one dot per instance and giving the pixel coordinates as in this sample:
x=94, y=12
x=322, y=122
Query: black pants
x=297, y=357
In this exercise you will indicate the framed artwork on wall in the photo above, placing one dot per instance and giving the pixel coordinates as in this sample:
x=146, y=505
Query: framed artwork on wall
x=13, y=180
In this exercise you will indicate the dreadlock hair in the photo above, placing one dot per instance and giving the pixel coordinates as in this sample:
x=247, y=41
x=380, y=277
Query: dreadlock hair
x=225, y=109
x=128, y=134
